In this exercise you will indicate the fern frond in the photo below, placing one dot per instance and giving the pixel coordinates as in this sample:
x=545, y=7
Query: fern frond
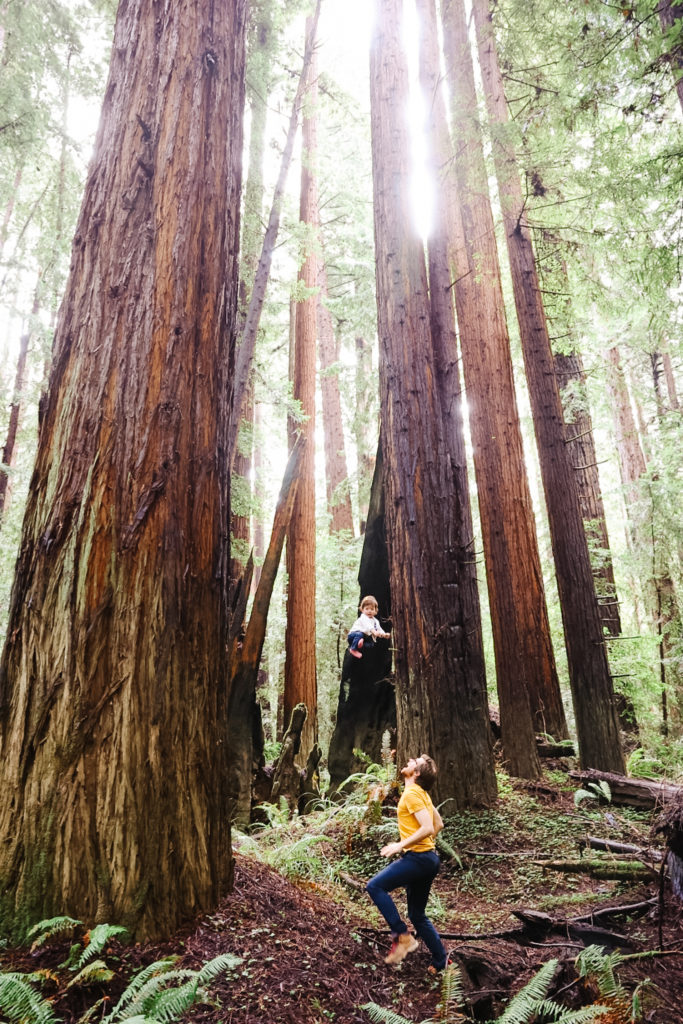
x=381, y=1016
x=48, y=929
x=20, y=1003
x=521, y=1010
x=586, y=1015
x=96, y=940
x=219, y=965
x=144, y=998
x=170, y=1004
x=601, y=966
x=94, y=973
x=159, y=969
x=452, y=992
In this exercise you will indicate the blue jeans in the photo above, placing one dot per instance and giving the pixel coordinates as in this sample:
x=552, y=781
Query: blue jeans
x=415, y=872
x=354, y=637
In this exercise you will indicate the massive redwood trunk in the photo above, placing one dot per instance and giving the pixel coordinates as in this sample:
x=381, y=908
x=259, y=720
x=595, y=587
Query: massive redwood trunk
x=525, y=667
x=113, y=678
x=440, y=686
x=300, y=664
x=595, y=710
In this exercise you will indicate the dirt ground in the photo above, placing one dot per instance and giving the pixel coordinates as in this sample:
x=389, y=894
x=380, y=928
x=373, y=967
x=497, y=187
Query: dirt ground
x=312, y=953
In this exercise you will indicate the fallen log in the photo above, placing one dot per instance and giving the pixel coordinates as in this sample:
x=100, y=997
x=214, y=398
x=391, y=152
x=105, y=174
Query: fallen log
x=611, y=846
x=540, y=924
x=641, y=793
x=547, y=749
x=630, y=871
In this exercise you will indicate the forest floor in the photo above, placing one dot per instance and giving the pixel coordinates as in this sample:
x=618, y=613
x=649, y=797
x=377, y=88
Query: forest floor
x=311, y=947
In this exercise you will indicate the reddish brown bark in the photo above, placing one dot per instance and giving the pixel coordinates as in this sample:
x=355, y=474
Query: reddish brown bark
x=595, y=709
x=300, y=662
x=363, y=428
x=525, y=667
x=440, y=686
x=112, y=685
x=336, y=471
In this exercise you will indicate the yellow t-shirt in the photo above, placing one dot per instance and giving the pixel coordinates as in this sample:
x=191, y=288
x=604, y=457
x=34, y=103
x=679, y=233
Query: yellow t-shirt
x=414, y=799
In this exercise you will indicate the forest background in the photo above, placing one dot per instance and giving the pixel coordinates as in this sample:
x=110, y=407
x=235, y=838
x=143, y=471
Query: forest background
x=596, y=128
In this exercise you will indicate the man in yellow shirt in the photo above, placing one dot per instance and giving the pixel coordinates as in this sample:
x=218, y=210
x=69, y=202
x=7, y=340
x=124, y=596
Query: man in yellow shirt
x=418, y=823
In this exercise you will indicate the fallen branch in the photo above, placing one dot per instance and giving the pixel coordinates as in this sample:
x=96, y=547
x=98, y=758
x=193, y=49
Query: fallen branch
x=633, y=871
x=626, y=908
x=611, y=846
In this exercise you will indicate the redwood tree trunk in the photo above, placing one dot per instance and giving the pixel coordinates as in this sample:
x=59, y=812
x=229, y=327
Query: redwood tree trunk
x=300, y=665
x=440, y=685
x=528, y=686
x=112, y=686
x=336, y=472
x=595, y=710
x=363, y=428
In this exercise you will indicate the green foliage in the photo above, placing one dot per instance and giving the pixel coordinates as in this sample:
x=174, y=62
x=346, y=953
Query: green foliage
x=97, y=938
x=52, y=928
x=526, y=1007
x=595, y=791
x=20, y=1003
x=94, y=973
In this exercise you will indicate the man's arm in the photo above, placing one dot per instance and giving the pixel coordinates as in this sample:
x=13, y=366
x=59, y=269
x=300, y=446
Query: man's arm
x=427, y=828
x=438, y=822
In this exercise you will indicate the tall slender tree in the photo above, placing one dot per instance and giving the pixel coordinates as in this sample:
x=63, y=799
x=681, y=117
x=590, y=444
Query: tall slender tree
x=112, y=682
x=336, y=471
x=440, y=686
x=300, y=664
x=595, y=709
x=528, y=686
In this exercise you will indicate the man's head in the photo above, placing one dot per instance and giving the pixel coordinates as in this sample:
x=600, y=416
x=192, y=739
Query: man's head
x=421, y=770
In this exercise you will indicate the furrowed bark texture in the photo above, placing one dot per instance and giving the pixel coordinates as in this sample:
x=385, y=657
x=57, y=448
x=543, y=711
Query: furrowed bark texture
x=113, y=678
x=442, y=312
x=525, y=667
x=363, y=427
x=300, y=665
x=440, y=687
x=336, y=472
x=595, y=708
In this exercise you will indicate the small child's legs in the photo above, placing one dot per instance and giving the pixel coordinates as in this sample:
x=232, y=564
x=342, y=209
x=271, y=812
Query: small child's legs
x=356, y=641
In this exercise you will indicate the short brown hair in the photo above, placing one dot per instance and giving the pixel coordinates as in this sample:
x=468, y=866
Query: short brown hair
x=427, y=773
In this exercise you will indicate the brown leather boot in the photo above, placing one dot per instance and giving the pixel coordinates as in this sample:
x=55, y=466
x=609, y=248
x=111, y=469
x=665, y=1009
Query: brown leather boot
x=402, y=945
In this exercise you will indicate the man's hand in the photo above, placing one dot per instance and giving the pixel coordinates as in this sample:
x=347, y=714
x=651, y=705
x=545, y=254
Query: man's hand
x=391, y=849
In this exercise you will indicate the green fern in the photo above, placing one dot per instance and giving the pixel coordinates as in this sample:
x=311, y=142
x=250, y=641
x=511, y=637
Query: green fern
x=219, y=965
x=381, y=1016
x=94, y=973
x=559, y=1015
x=522, y=1008
x=595, y=791
x=52, y=928
x=20, y=1003
x=595, y=963
x=156, y=970
x=158, y=995
x=452, y=994
x=97, y=938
